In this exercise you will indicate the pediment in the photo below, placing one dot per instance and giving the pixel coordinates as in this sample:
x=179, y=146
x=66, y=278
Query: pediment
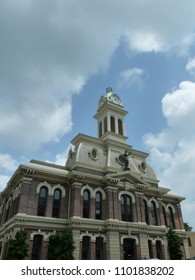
x=127, y=176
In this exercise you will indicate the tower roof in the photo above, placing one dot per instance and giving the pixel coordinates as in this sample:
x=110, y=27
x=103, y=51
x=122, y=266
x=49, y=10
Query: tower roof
x=110, y=96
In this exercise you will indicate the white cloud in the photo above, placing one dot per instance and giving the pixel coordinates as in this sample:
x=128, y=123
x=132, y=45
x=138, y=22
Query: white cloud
x=3, y=181
x=49, y=49
x=131, y=76
x=190, y=66
x=144, y=42
x=61, y=158
x=7, y=165
x=7, y=162
x=172, y=151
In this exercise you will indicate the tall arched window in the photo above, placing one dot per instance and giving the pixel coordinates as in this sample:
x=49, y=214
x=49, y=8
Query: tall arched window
x=37, y=244
x=126, y=208
x=112, y=124
x=154, y=213
x=8, y=211
x=165, y=216
x=159, y=254
x=171, y=217
x=42, y=201
x=86, y=203
x=56, y=203
x=86, y=248
x=99, y=248
x=146, y=215
x=98, y=205
x=120, y=126
x=150, y=249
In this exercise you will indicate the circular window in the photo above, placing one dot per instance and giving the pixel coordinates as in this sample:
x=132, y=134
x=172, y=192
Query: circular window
x=121, y=159
x=143, y=166
x=94, y=154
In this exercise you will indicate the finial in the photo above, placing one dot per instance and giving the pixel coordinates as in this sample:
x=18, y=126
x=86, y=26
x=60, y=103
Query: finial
x=108, y=89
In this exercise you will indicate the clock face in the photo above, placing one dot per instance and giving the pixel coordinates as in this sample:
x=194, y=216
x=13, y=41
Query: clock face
x=115, y=99
x=102, y=100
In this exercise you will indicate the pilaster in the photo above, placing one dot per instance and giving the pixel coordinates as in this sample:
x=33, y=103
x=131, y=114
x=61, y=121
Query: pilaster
x=112, y=245
x=144, y=246
x=75, y=202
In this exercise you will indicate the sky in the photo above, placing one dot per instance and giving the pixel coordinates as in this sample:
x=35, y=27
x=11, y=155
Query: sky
x=57, y=57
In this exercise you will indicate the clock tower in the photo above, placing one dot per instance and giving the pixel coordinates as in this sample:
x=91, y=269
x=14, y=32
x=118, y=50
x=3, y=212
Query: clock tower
x=110, y=117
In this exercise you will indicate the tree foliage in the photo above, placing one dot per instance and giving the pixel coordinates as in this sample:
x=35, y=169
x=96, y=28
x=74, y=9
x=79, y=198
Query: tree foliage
x=61, y=246
x=18, y=247
x=187, y=227
x=174, y=245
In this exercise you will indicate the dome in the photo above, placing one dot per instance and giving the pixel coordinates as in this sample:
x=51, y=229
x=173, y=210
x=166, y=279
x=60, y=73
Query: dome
x=111, y=97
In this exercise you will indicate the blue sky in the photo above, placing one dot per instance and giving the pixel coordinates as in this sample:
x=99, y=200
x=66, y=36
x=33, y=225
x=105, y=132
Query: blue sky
x=58, y=57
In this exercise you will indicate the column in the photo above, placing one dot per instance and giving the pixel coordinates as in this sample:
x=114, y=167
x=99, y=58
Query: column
x=75, y=205
x=144, y=246
x=161, y=215
x=186, y=252
x=111, y=203
x=178, y=218
x=166, y=250
x=112, y=245
x=76, y=238
x=139, y=207
x=24, y=196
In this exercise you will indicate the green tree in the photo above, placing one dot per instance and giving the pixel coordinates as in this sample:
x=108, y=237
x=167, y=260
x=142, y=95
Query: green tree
x=18, y=247
x=174, y=245
x=187, y=227
x=61, y=246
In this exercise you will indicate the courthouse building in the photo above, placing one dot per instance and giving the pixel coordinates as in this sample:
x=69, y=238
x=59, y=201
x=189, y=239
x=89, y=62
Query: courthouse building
x=106, y=193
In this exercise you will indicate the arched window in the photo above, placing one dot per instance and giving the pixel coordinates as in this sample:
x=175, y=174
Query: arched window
x=112, y=124
x=86, y=203
x=8, y=211
x=100, y=129
x=37, y=244
x=15, y=206
x=126, y=208
x=105, y=125
x=154, y=213
x=165, y=216
x=98, y=205
x=129, y=249
x=42, y=201
x=56, y=203
x=171, y=217
x=86, y=248
x=159, y=254
x=120, y=126
x=150, y=249
x=99, y=248
x=146, y=215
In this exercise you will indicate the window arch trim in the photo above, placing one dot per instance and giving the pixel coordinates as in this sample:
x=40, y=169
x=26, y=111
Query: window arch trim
x=61, y=188
x=87, y=187
x=44, y=184
x=171, y=206
x=99, y=190
x=155, y=201
x=126, y=193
